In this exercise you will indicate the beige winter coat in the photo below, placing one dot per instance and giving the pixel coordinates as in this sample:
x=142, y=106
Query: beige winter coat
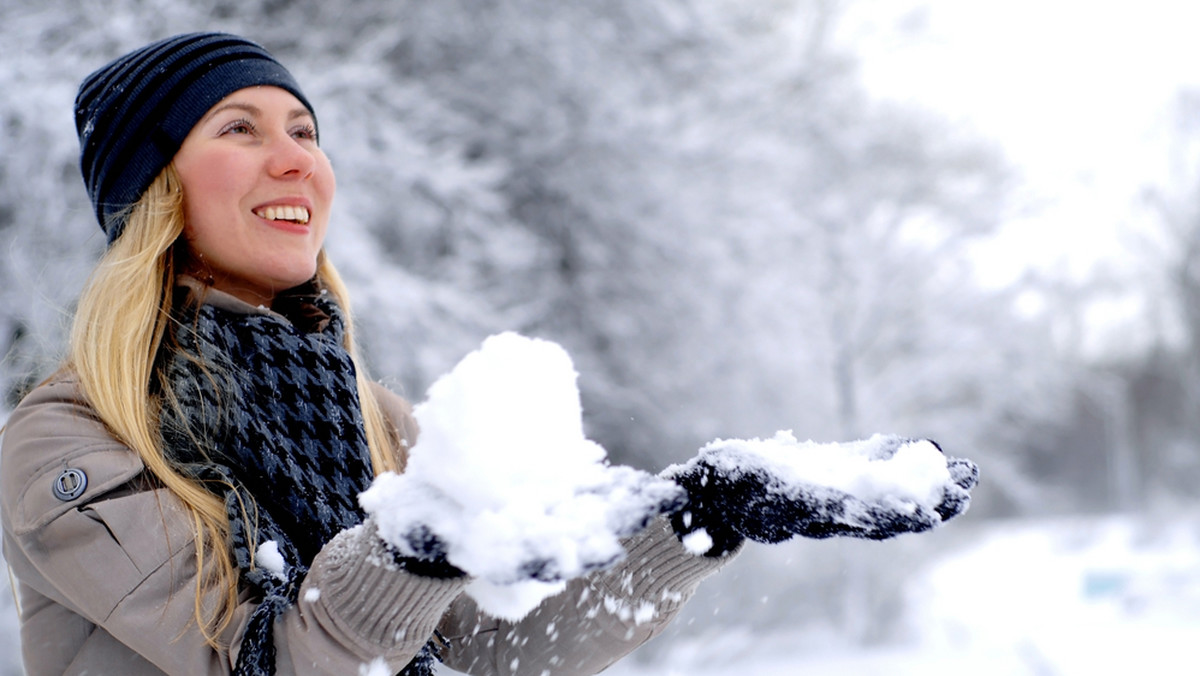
x=106, y=580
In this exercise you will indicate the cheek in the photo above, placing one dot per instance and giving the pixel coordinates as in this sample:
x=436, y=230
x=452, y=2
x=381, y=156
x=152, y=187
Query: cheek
x=205, y=211
x=211, y=207
x=325, y=185
x=212, y=183
x=325, y=179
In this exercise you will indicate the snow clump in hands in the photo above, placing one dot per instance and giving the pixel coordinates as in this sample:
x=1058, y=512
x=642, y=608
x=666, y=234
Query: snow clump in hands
x=504, y=484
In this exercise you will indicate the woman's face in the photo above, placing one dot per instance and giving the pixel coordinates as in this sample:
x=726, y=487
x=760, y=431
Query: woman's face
x=256, y=193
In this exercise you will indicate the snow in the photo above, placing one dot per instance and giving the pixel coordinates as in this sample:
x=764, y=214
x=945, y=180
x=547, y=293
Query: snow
x=698, y=542
x=269, y=559
x=1117, y=595
x=513, y=600
x=874, y=469
x=377, y=667
x=505, y=479
x=876, y=487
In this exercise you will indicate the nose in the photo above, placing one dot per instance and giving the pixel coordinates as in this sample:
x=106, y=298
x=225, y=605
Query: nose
x=289, y=159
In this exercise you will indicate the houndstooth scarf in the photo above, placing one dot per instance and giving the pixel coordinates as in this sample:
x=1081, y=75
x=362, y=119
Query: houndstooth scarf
x=265, y=413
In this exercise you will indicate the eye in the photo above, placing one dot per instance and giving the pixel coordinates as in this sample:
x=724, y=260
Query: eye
x=240, y=126
x=305, y=131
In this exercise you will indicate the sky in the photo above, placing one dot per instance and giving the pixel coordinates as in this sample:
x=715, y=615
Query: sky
x=1077, y=94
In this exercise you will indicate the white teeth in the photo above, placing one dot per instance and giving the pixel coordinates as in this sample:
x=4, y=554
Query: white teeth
x=284, y=213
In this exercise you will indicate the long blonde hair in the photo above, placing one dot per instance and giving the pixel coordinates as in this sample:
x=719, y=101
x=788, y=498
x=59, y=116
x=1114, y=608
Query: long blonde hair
x=124, y=313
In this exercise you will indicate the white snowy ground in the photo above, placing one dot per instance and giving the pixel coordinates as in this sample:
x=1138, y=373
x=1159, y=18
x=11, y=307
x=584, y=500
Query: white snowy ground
x=1064, y=597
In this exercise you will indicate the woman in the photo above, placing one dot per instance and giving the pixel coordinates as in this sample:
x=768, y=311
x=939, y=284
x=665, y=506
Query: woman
x=181, y=496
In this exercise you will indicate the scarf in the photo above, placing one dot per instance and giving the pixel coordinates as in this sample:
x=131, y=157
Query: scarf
x=263, y=410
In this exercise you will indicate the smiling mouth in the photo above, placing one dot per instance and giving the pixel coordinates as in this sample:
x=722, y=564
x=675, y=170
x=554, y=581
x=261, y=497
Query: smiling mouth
x=290, y=214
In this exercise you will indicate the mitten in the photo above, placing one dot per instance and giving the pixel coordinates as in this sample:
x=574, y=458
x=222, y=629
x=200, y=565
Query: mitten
x=427, y=556
x=735, y=491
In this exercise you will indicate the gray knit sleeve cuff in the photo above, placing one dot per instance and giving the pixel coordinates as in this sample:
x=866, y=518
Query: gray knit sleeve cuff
x=373, y=600
x=659, y=570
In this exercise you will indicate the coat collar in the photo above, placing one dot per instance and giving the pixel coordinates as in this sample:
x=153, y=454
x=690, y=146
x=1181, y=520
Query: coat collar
x=208, y=295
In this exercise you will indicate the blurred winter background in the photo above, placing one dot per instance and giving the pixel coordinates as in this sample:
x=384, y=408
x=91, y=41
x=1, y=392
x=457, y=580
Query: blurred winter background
x=976, y=222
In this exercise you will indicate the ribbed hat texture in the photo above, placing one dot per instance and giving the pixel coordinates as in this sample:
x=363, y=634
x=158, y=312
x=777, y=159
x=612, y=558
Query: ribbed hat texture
x=133, y=114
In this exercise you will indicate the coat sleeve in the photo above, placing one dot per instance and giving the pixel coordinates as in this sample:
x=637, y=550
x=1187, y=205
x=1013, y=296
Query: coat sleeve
x=118, y=560
x=595, y=621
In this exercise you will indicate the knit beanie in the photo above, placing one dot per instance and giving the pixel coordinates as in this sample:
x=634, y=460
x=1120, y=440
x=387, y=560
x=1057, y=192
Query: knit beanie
x=134, y=113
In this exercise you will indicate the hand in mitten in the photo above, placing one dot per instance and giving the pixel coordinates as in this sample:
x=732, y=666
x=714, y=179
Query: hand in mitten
x=424, y=555
x=770, y=491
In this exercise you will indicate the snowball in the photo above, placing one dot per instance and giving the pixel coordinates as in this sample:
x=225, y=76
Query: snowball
x=268, y=558
x=880, y=468
x=312, y=595
x=504, y=477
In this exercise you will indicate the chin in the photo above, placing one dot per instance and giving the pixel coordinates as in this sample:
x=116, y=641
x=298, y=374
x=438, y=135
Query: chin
x=297, y=281
x=296, y=276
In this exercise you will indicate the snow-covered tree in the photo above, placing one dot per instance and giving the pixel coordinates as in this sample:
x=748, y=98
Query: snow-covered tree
x=1162, y=386
x=697, y=199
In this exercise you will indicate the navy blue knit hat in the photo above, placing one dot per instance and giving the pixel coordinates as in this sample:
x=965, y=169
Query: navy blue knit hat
x=133, y=114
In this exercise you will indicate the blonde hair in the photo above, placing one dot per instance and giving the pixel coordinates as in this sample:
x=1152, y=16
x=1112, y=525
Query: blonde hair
x=124, y=313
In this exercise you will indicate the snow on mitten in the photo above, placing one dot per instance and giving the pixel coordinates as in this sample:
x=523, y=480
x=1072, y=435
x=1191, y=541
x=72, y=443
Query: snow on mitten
x=772, y=490
x=530, y=538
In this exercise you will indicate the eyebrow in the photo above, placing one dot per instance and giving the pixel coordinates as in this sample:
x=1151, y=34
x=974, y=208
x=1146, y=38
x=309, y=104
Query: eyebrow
x=253, y=110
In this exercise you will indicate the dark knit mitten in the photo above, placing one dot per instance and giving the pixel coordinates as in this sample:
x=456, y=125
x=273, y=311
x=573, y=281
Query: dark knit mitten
x=731, y=497
x=704, y=509
x=429, y=559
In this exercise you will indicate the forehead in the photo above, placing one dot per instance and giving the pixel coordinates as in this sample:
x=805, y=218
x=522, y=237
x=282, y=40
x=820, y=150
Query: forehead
x=261, y=100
